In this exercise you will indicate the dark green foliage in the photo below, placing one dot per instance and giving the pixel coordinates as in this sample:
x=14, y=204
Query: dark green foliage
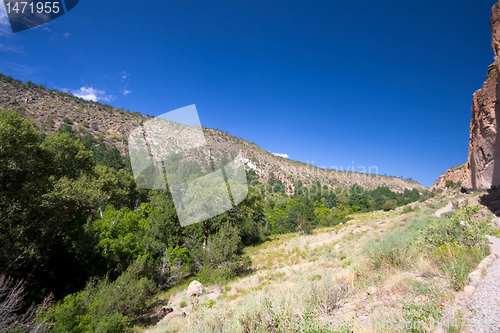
x=252, y=178
x=99, y=152
x=88, y=141
x=104, y=306
x=390, y=205
x=221, y=258
x=112, y=159
x=278, y=186
x=65, y=128
x=73, y=222
x=36, y=202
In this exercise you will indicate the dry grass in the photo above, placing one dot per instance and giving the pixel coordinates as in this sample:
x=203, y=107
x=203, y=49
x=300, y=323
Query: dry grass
x=296, y=273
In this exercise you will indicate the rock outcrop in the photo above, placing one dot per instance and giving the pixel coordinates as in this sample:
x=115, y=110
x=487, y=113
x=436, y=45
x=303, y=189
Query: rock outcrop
x=484, y=152
x=458, y=173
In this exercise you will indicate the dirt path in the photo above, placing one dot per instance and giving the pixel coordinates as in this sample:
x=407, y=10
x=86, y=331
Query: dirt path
x=445, y=209
x=485, y=304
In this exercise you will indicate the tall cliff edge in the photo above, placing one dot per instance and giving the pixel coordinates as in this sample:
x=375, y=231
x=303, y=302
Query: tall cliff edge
x=483, y=169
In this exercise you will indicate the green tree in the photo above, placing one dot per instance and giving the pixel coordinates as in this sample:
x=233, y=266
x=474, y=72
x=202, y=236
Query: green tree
x=221, y=259
x=113, y=159
x=47, y=189
x=390, y=205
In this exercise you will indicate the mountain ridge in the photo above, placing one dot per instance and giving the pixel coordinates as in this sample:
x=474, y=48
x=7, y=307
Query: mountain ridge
x=48, y=109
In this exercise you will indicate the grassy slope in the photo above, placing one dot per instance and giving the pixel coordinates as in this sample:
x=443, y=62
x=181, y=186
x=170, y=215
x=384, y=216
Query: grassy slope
x=293, y=272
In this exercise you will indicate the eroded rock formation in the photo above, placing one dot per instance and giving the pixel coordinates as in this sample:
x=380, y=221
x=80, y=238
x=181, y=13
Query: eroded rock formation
x=484, y=152
x=458, y=173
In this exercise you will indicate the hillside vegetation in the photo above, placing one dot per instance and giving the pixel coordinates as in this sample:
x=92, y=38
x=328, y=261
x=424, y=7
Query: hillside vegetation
x=49, y=109
x=67, y=201
x=97, y=253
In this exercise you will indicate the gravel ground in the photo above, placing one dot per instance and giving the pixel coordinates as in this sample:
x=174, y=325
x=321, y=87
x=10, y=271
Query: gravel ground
x=485, y=305
x=444, y=209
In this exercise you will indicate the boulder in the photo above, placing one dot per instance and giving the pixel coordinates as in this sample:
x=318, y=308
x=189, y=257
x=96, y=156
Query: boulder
x=195, y=289
x=165, y=310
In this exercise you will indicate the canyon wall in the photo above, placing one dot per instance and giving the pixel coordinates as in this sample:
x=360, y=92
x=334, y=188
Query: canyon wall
x=483, y=169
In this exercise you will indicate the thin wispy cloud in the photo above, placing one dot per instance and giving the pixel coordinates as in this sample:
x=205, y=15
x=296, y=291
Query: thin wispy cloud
x=280, y=155
x=124, y=75
x=126, y=92
x=17, y=69
x=10, y=49
x=66, y=35
x=92, y=94
x=4, y=22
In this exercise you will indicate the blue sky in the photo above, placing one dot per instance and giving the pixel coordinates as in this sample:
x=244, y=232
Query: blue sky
x=329, y=82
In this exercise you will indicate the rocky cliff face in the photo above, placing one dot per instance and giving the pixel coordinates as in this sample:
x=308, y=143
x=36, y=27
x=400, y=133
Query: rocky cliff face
x=484, y=152
x=458, y=173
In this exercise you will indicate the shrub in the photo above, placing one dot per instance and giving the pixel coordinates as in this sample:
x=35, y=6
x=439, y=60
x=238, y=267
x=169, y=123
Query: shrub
x=129, y=294
x=390, y=205
x=221, y=258
x=407, y=209
x=227, y=288
x=209, y=304
x=393, y=250
x=183, y=304
x=12, y=293
x=458, y=262
x=457, y=244
x=460, y=230
x=104, y=306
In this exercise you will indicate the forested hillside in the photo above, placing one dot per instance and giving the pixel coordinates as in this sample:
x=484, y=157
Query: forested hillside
x=77, y=230
x=50, y=109
x=76, y=227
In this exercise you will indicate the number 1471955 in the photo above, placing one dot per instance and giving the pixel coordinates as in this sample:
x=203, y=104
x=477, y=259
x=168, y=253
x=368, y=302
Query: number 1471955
x=32, y=8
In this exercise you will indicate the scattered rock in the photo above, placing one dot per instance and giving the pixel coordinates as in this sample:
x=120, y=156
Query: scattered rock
x=214, y=295
x=336, y=247
x=195, y=289
x=176, y=313
x=165, y=310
